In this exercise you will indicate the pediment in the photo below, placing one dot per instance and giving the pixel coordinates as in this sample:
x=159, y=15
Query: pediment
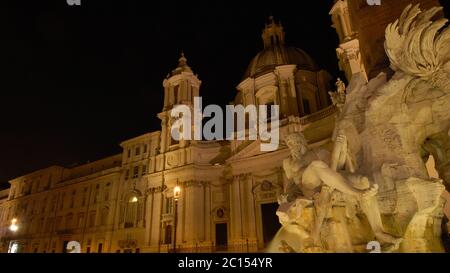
x=251, y=150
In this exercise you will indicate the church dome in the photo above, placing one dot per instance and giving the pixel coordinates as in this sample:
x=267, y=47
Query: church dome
x=276, y=55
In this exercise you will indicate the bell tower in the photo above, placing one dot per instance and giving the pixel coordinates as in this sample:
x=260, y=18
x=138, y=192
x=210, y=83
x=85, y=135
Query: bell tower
x=180, y=87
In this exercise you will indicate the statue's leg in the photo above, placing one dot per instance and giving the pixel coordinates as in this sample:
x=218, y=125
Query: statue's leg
x=369, y=206
x=332, y=178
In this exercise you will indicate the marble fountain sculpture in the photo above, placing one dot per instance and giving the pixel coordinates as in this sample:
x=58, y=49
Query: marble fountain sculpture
x=374, y=185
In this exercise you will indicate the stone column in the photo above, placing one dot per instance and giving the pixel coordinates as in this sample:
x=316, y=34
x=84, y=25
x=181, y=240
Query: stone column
x=155, y=227
x=207, y=212
x=235, y=212
x=250, y=215
x=163, y=133
x=149, y=216
x=283, y=95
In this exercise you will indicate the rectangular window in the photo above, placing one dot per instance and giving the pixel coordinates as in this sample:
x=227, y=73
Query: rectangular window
x=138, y=151
x=92, y=219
x=145, y=148
x=136, y=172
x=129, y=153
x=100, y=248
x=127, y=174
x=144, y=169
x=169, y=205
x=176, y=93
x=107, y=194
x=306, y=107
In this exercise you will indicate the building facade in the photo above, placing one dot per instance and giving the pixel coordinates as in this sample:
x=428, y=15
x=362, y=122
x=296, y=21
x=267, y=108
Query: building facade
x=229, y=189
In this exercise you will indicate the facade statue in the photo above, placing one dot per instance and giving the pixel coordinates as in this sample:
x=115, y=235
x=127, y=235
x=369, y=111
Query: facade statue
x=338, y=97
x=375, y=185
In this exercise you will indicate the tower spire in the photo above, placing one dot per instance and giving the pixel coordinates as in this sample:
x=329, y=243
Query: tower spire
x=182, y=65
x=182, y=61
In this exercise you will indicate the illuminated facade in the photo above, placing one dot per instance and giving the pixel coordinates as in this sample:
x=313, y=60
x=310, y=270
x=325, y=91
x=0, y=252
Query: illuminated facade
x=229, y=189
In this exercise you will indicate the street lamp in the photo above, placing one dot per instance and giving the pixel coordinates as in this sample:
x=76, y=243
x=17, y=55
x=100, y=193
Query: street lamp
x=13, y=227
x=176, y=196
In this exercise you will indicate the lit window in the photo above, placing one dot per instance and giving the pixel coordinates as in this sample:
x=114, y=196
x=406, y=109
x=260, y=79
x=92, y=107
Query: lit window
x=131, y=212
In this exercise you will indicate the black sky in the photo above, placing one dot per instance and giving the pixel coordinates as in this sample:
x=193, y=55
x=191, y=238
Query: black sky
x=76, y=81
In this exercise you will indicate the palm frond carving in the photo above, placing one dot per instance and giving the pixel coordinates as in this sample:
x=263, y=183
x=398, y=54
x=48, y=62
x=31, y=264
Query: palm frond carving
x=417, y=45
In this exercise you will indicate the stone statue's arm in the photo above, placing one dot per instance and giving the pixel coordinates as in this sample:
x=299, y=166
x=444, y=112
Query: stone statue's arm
x=339, y=153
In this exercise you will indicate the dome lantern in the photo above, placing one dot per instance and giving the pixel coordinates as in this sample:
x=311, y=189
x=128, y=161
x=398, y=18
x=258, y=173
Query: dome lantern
x=273, y=33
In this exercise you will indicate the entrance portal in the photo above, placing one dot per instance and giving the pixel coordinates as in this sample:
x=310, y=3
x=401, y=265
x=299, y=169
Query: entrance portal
x=270, y=222
x=221, y=236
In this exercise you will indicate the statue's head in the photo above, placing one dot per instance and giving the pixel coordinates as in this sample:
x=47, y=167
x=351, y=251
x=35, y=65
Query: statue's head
x=297, y=144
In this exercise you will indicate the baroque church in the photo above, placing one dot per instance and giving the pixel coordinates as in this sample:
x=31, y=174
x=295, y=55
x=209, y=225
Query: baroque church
x=226, y=191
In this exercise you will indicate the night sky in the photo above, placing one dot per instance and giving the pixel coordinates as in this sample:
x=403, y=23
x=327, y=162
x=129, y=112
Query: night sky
x=78, y=80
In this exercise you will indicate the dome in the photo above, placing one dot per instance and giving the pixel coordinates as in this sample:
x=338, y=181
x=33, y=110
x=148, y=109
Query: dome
x=276, y=55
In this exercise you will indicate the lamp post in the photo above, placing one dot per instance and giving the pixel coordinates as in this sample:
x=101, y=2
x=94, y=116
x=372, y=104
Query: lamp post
x=176, y=196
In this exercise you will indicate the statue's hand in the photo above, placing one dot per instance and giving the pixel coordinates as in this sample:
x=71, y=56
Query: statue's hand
x=341, y=139
x=283, y=198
